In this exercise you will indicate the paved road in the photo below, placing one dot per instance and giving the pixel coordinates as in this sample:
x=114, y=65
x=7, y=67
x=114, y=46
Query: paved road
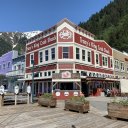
x=34, y=116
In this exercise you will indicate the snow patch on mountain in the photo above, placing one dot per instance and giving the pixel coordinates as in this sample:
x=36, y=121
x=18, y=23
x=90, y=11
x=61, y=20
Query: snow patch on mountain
x=31, y=34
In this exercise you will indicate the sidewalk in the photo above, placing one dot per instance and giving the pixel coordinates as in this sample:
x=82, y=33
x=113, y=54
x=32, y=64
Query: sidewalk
x=35, y=116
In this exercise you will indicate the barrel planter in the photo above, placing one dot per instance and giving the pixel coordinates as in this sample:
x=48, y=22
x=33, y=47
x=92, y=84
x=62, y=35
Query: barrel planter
x=77, y=105
x=48, y=101
x=117, y=110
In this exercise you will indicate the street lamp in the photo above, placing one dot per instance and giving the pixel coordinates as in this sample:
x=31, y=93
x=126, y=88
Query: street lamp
x=32, y=90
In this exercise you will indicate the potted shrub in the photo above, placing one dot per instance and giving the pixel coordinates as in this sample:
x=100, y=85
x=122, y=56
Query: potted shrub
x=118, y=109
x=77, y=103
x=47, y=99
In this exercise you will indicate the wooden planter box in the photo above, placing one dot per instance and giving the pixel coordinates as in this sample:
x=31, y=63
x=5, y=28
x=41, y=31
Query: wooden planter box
x=49, y=102
x=77, y=106
x=116, y=110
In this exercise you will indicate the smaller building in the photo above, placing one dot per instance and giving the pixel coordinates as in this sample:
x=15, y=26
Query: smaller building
x=17, y=72
x=120, y=64
x=6, y=65
x=6, y=61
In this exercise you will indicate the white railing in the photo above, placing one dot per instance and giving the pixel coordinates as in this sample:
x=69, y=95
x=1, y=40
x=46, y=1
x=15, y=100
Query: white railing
x=16, y=73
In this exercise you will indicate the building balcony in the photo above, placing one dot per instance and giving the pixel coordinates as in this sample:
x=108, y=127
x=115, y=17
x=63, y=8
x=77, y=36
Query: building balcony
x=16, y=73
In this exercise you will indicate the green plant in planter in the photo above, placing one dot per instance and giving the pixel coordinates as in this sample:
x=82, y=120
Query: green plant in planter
x=47, y=99
x=80, y=99
x=77, y=103
x=121, y=101
x=47, y=95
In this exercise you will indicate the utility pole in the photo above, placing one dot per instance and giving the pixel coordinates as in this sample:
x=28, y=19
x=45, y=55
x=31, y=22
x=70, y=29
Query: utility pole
x=32, y=88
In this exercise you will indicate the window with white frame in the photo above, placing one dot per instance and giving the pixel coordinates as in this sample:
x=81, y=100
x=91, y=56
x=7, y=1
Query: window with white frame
x=41, y=56
x=111, y=63
x=127, y=68
x=65, y=52
x=49, y=73
x=46, y=55
x=83, y=55
x=89, y=56
x=77, y=53
x=116, y=64
x=53, y=53
x=97, y=58
x=105, y=61
x=122, y=66
x=31, y=58
x=45, y=73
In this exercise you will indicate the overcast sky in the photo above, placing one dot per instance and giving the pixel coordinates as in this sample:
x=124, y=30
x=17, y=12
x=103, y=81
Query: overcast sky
x=31, y=15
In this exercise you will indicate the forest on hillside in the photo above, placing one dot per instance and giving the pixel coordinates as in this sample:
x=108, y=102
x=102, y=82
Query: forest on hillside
x=110, y=24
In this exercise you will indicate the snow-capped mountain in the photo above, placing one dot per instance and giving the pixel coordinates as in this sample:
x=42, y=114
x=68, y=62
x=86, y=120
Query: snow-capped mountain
x=31, y=34
x=14, y=39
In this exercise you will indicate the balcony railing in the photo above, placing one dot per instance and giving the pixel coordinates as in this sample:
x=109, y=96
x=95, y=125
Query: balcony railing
x=16, y=73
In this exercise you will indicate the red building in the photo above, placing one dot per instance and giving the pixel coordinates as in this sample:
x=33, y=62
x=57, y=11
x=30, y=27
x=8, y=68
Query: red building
x=68, y=60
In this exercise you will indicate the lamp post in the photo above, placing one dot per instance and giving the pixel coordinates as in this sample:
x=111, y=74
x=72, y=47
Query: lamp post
x=32, y=91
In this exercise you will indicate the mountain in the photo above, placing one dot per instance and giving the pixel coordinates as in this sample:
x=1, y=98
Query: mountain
x=14, y=40
x=110, y=24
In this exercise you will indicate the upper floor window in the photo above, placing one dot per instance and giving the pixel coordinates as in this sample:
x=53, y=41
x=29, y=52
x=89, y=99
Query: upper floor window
x=46, y=55
x=31, y=58
x=111, y=63
x=41, y=56
x=8, y=65
x=53, y=53
x=77, y=53
x=105, y=61
x=3, y=66
x=97, y=58
x=89, y=56
x=83, y=55
x=116, y=64
x=122, y=66
x=65, y=52
x=127, y=68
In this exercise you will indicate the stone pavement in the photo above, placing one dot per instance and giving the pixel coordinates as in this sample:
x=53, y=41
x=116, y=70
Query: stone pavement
x=34, y=116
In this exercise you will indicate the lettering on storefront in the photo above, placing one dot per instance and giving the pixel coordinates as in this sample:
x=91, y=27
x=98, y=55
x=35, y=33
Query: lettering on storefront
x=92, y=45
x=99, y=48
x=88, y=43
x=41, y=43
